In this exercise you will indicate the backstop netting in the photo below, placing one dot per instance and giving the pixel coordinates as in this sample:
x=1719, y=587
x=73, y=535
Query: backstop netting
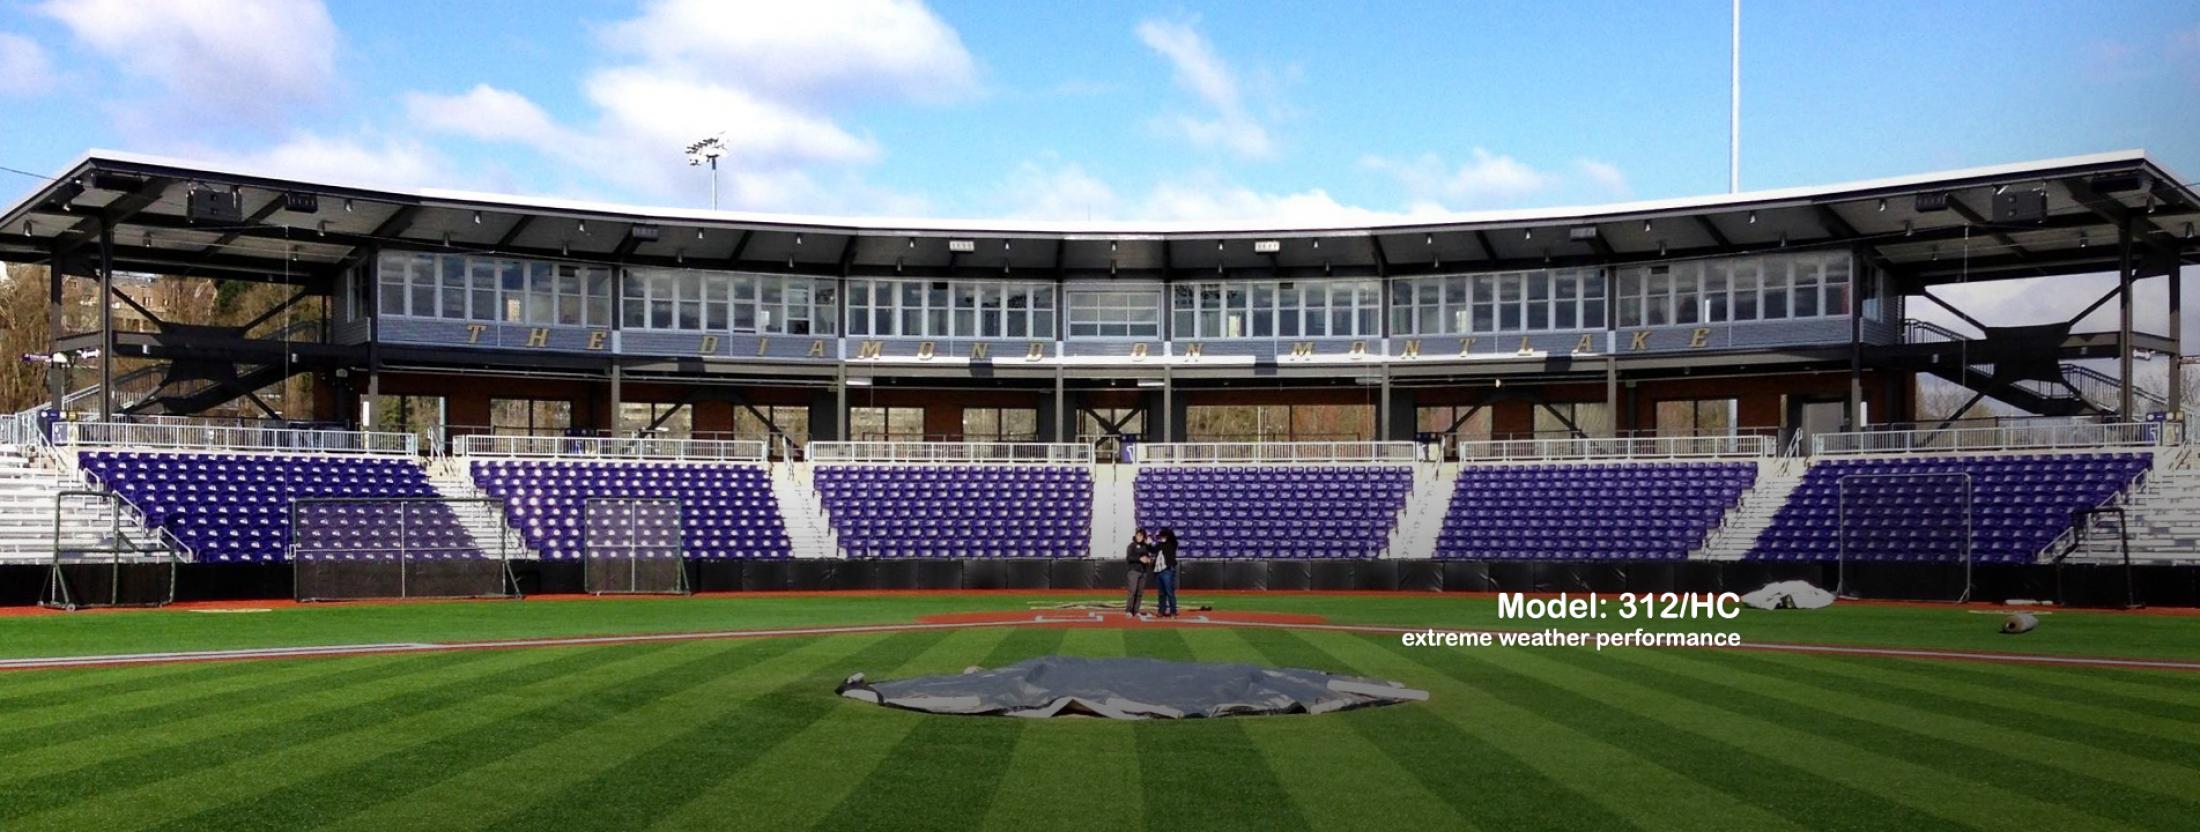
x=632, y=545
x=402, y=547
x=103, y=556
x=1913, y=518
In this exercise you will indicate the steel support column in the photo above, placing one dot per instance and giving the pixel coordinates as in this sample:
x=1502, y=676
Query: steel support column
x=106, y=321
x=618, y=396
x=2124, y=278
x=1855, y=417
x=1062, y=422
x=2176, y=339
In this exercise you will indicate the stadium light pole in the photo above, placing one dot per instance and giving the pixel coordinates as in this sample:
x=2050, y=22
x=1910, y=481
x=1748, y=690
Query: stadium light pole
x=1734, y=111
x=708, y=150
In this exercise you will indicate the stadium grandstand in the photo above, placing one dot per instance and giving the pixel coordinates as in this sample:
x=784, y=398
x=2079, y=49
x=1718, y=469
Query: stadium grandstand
x=477, y=395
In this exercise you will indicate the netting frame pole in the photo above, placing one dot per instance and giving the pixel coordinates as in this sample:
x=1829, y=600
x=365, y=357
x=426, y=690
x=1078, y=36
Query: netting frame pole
x=57, y=593
x=632, y=505
x=1841, y=525
x=507, y=581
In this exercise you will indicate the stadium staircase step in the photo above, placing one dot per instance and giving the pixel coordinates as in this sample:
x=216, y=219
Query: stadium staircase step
x=2162, y=515
x=809, y=532
x=1114, y=509
x=1776, y=479
x=1421, y=520
x=483, y=521
x=27, y=491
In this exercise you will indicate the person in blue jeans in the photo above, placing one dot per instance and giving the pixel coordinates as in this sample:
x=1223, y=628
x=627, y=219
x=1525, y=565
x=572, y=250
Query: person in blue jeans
x=1164, y=570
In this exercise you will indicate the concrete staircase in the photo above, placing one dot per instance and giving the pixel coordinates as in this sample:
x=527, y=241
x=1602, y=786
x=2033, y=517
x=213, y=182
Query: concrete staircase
x=1114, y=509
x=2163, y=516
x=483, y=521
x=809, y=531
x=1421, y=519
x=1776, y=480
x=28, y=486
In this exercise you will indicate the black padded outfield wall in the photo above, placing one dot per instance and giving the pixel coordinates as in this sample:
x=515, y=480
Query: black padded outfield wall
x=2074, y=585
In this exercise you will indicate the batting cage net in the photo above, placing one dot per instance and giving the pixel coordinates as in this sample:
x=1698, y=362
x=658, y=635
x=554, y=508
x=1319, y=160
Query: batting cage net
x=1915, y=518
x=631, y=545
x=402, y=547
x=103, y=556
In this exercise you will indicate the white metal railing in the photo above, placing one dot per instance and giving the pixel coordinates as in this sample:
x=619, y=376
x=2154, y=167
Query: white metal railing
x=207, y=437
x=2010, y=438
x=605, y=447
x=1233, y=453
x=1048, y=453
x=1620, y=448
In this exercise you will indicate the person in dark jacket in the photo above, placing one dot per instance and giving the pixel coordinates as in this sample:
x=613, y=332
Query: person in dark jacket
x=1164, y=570
x=1140, y=556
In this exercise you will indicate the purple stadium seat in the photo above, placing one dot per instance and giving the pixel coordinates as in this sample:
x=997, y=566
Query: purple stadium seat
x=726, y=511
x=1343, y=511
x=1620, y=511
x=2006, y=508
x=234, y=508
x=967, y=511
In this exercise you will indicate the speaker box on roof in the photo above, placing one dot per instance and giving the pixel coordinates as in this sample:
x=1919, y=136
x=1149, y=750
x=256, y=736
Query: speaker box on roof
x=215, y=205
x=2020, y=206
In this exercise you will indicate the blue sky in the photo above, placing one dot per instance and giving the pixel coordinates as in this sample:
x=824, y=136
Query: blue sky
x=1120, y=110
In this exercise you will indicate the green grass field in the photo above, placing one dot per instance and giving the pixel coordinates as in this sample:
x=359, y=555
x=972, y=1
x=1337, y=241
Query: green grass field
x=722, y=734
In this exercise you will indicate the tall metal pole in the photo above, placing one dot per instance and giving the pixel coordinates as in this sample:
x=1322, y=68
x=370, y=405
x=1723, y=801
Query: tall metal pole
x=714, y=176
x=2124, y=277
x=107, y=321
x=1734, y=115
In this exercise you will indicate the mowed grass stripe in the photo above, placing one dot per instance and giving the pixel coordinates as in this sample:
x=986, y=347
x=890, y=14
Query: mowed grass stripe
x=1788, y=765
x=2102, y=698
x=120, y=754
x=1505, y=760
x=158, y=786
x=501, y=725
x=1870, y=678
x=635, y=792
x=2143, y=792
x=952, y=764
x=156, y=709
x=827, y=758
x=552, y=771
x=1200, y=773
x=24, y=689
x=1337, y=776
x=1076, y=774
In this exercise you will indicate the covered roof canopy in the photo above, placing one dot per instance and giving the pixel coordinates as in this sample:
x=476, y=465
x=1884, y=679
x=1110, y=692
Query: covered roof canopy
x=1922, y=229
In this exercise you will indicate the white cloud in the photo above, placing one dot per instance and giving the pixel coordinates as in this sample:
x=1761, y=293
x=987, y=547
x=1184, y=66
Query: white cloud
x=24, y=67
x=811, y=50
x=766, y=78
x=392, y=162
x=1203, y=72
x=249, y=58
x=1070, y=192
x=1604, y=175
x=1488, y=179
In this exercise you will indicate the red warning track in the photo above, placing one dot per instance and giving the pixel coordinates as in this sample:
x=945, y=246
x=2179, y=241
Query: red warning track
x=1031, y=618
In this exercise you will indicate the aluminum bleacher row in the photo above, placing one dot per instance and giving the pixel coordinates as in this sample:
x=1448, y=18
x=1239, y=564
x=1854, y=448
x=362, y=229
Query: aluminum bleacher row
x=1920, y=508
x=1339, y=511
x=958, y=511
x=726, y=510
x=236, y=507
x=1636, y=511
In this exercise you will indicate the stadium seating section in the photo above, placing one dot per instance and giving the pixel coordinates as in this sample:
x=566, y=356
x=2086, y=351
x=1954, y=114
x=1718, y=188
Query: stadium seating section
x=958, y=511
x=1273, y=511
x=1627, y=511
x=236, y=507
x=1914, y=508
x=726, y=510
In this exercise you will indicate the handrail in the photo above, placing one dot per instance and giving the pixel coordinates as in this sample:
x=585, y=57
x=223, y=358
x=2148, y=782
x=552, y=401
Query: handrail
x=1048, y=453
x=1233, y=453
x=1661, y=447
x=205, y=437
x=2024, y=437
x=604, y=447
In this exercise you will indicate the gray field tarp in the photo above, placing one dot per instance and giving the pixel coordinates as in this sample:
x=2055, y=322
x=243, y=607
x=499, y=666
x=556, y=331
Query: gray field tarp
x=1130, y=688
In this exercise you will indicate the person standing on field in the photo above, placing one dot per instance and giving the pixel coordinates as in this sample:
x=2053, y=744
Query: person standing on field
x=1140, y=556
